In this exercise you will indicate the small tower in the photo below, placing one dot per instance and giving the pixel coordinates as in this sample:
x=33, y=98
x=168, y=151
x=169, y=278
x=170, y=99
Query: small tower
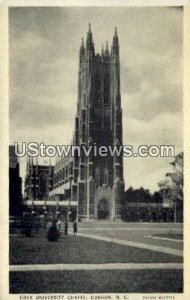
x=90, y=53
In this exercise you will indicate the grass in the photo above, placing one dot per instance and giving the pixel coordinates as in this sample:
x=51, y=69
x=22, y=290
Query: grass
x=107, y=281
x=74, y=249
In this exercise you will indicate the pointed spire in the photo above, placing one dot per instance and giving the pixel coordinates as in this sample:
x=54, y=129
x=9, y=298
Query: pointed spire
x=115, y=37
x=107, y=50
x=115, y=46
x=89, y=42
x=82, y=50
x=115, y=33
x=89, y=34
x=89, y=27
x=102, y=49
x=82, y=45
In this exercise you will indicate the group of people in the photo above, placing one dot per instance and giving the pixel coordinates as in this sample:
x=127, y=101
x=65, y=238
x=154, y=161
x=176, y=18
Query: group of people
x=54, y=231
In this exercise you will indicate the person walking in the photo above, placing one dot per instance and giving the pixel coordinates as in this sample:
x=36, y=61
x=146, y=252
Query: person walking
x=58, y=224
x=75, y=227
x=66, y=228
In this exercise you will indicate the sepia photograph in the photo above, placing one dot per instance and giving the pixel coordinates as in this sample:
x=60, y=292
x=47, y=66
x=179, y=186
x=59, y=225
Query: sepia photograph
x=96, y=150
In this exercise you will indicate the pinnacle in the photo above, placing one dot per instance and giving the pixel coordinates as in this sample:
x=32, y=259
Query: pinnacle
x=115, y=34
x=89, y=27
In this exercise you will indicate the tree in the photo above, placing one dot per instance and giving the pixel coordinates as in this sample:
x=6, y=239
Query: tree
x=176, y=178
x=172, y=187
x=137, y=195
x=157, y=197
x=165, y=189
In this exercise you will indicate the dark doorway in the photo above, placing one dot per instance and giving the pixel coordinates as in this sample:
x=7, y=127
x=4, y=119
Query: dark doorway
x=165, y=216
x=103, y=209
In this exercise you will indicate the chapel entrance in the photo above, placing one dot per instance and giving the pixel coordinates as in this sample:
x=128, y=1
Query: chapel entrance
x=103, y=209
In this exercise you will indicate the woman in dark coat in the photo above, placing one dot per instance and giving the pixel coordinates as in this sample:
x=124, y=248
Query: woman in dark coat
x=53, y=233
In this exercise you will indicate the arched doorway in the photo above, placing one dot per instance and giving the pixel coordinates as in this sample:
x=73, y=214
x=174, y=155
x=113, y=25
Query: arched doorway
x=103, y=209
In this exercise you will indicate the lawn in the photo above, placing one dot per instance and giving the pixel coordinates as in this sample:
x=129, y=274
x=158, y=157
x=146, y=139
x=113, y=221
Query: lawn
x=75, y=249
x=104, y=281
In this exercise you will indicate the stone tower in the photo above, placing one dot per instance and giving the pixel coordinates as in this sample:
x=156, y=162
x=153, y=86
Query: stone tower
x=98, y=123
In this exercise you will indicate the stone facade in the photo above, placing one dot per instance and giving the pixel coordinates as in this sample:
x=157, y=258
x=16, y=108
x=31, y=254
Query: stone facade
x=15, y=184
x=96, y=182
x=38, y=180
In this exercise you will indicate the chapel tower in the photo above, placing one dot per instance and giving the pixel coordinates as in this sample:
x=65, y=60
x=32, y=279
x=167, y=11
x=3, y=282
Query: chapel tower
x=99, y=179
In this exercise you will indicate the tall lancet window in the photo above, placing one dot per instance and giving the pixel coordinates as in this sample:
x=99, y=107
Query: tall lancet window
x=97, y=90
x=84, y=100
x=106, y=89
x=83, y=115
x=106, y=178
x=83, y=133
x=97, y=176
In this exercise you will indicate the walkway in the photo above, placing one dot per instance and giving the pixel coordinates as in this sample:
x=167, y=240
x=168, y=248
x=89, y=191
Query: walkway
x=135, y=244
x=108, y=266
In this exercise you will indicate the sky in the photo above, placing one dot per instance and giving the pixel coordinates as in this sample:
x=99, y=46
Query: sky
x=44, y=56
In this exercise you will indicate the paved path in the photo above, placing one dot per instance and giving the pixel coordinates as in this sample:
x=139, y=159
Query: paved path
x=108, y=266
x=128, y=229
x=135, y=232
x=166, y=250
x=164, y=238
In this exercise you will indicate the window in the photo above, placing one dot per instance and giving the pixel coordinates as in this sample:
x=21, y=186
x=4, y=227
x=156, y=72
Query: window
x=106, y=89
x=82, y=172
x=97, y=89
x=84, y=102
x=106, y=179
x=77, y=123
x=71, y=168
x=97, y=177
x=83, y=116
x=83, y=132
